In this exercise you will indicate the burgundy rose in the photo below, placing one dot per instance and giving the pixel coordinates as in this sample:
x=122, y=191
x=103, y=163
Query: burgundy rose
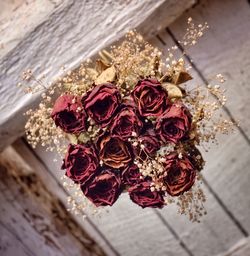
x=150, y=144
x=143, y=196
x=80, y=162
x=69, y=114
x=180, y=174
x=104, y=189
x=131, y=175
x=114, y=152
x=174, y=124
x=101, y=103
x=150, y=97
x=126, y=121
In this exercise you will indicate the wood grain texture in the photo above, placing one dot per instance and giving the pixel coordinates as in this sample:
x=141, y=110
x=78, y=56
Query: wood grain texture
x=28, y=13
x=242, y=248
x=69, y=34
x=34, y=222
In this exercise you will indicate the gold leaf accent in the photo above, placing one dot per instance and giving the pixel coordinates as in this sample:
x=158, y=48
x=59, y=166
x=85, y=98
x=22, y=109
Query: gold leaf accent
x=108, y=75
x=173, y=90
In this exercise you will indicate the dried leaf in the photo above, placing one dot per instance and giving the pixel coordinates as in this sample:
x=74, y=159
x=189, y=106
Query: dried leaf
x=181, y=77
x=173, y=90
x=101, y=65
x=107, y=75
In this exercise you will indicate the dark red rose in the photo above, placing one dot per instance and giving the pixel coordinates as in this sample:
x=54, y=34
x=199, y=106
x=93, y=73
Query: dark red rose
x=131, y=175
x=80, y=162
x=69, y=114
x=114, y=152
x=150, y=142
x=126, y=121
x=101, y=103
x=150, y=97
x=180, y=176
x=143, y=196
x=174, y=124
x=104, y=189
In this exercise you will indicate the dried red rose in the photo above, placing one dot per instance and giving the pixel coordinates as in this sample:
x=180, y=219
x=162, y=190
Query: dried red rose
x=69, y=114
x=114, y=152
x=174, y=124
x=81, y=162
x=126, y=121
x=150, y=97
x=101, y=103
x=180, y=176
x=104, y=189
x=150, y=142
x=143, y=196
x=131, y=175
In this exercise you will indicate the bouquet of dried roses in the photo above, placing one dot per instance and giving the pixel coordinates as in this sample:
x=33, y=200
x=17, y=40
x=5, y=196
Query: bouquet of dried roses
x=133, y=126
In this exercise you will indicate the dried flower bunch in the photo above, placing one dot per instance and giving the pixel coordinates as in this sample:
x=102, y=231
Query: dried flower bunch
x=133, y=124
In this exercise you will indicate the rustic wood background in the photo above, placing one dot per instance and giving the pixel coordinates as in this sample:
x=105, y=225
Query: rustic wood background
x=126, y=229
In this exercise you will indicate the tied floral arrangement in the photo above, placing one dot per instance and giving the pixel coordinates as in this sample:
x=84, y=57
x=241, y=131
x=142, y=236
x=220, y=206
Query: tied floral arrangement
x=133, y=125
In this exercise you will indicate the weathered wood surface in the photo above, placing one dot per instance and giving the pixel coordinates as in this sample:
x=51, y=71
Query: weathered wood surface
x=65, y=34
x=227, y=171
x=242, y=248
x=32, y=220
x=132, y=231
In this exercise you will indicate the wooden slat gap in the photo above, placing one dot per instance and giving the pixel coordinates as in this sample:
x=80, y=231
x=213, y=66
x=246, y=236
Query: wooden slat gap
x=174, y=233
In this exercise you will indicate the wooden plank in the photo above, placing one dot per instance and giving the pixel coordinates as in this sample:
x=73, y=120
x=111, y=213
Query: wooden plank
x=226, y=170
x=233, y=186
x=131, y=230
x=33, y=222
x=67, y=37
x=55, y=187
x=242, y=248
x=224, y=49
x=29, y=13
x=208, y=232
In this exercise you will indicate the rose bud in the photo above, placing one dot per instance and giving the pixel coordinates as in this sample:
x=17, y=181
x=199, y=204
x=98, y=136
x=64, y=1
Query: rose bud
x=180, y=176
x=150, y=97
x=114, y=152
x=101, y=103
x=131, y=175
x=143, y=196
x=174, y=124
x=80, y=162
x=69, y=114
x=126, y=121
x=104, y=189
x=150, y=144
